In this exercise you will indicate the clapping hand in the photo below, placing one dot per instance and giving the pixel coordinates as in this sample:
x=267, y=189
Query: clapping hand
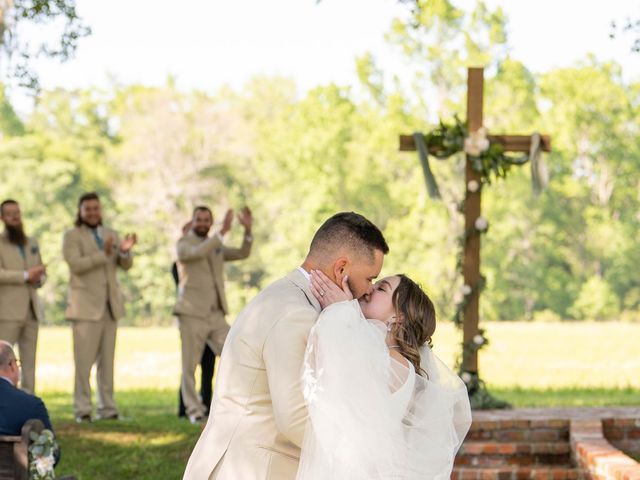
x=227, y=222
x=328, y=292
x=35, y=274
x=186, y=227
x=108, y=245
x=129, y=240
x=245, y=218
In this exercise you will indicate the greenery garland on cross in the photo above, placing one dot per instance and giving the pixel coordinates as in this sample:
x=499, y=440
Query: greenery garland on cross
x=486, y=158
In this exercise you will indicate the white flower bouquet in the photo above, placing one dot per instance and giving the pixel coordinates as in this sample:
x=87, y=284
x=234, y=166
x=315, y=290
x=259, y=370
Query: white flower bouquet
x=41, y=455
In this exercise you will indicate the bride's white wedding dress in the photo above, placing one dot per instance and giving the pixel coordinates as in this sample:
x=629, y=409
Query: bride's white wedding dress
x=370, y=416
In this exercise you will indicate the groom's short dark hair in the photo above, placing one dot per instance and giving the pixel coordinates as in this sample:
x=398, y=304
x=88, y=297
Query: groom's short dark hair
x=351, y=230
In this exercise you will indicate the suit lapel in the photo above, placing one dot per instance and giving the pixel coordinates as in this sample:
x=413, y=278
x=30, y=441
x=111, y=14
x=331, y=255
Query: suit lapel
x=87, y=238
x=298, y=278
x=17, y=257
x=32, y=253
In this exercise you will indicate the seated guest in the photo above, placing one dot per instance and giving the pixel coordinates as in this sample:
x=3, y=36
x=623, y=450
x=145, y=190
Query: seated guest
x=16, y=406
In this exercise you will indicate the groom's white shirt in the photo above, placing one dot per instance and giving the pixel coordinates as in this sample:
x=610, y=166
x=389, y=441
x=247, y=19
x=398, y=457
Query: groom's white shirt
x=305, y=273
x=257, y=420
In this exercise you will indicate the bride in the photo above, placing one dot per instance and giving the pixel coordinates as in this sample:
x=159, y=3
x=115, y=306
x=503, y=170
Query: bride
x=381, y=405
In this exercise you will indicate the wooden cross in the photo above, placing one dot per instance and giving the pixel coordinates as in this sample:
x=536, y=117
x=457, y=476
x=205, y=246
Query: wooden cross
x=471, y=259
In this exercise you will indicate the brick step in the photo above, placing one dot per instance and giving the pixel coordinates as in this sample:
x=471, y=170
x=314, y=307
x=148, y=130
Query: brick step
x=519, y=473
x=519, y=430
x=496, y=454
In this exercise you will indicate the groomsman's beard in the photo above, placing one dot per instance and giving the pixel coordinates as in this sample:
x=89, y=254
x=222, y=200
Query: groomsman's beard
x=96, y=225
x=202, y=233
x=15, y=234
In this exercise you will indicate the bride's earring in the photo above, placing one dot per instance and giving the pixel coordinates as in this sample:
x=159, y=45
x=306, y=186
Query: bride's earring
x=390, y=324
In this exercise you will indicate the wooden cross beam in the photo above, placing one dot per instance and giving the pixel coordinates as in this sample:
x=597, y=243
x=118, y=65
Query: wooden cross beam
x=510, y=143
x=471, y=258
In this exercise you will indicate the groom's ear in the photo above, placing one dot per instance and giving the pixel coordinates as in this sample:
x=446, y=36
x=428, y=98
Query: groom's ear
x=340, y=269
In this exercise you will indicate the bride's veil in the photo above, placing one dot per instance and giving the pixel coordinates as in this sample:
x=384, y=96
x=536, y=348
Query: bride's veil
x=371, y=417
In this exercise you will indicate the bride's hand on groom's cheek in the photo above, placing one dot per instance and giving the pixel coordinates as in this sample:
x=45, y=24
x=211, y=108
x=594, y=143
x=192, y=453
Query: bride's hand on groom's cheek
x=328, y=292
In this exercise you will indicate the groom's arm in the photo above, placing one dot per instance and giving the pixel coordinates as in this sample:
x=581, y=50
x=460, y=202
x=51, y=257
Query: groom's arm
x=283, y=355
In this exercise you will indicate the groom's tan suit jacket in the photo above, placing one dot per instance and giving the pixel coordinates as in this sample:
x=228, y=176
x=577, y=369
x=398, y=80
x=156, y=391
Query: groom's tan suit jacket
x=258, y=416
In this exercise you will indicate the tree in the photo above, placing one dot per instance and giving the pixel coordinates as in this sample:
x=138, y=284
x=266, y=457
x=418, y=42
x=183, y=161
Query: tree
x=18, y=19
x=627, y=26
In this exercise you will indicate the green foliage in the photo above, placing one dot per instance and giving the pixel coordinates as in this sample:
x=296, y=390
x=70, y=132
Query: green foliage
x=17, y=14
x=155, y=152
x=441, y=39
x=595, y=301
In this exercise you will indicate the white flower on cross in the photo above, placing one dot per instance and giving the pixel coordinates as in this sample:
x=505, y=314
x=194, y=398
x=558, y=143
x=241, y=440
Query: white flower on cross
x=466, y=290
x=476, y=143
x=481, y=224
x=44, y=465
x=478, y=339
x=458, y=297
x=466, y=377
x=473, y=186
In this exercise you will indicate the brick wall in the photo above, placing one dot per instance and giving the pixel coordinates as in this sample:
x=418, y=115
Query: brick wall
x=623, y=433
x=592, y=451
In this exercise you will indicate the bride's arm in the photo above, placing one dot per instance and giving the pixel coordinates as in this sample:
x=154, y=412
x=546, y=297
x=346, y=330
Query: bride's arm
x=351, y=427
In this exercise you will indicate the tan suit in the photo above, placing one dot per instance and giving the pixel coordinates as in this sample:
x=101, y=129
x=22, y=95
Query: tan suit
x=258, y=416
x=20, y=308
x=202, y=304
x=94, y=305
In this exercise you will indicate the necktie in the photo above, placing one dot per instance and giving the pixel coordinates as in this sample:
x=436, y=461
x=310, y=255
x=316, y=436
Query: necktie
x=99, y=241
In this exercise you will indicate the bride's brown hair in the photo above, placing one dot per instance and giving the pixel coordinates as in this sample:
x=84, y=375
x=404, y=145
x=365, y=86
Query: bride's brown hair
x=416, y=320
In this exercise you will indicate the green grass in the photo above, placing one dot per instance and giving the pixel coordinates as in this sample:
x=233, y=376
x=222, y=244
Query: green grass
x=529, y=365
x=568, y=397
x=520, y=354
x=150, y=442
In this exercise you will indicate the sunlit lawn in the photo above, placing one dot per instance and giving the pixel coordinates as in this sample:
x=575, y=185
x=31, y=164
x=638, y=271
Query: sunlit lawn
x=544, y=364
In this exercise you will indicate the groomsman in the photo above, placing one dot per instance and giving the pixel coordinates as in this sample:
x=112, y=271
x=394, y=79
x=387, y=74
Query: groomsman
x=93, y=253
x=208, y=360
x=21, y=274
x=202, y=304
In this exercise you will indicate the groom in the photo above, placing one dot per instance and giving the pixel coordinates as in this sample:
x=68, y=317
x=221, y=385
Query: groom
x=258, y=416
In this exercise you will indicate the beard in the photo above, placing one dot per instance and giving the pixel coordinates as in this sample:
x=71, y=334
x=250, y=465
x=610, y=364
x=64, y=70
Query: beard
x=201, y=232
x=83, y=222
x=16, y=235
x=353, y=292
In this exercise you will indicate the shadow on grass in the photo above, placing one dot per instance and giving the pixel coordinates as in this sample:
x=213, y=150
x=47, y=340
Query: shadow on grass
x=151, y=442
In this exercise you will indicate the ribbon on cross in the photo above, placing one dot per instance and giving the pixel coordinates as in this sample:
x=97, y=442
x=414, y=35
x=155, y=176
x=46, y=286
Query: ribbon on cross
x=539, y=172
x=423, y=153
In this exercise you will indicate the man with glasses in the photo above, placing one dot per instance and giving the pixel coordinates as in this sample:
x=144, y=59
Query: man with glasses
x=21, y=274
x=16, y=406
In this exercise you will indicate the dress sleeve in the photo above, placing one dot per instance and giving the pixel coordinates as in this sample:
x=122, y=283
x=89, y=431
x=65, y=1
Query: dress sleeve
x=350, y=432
